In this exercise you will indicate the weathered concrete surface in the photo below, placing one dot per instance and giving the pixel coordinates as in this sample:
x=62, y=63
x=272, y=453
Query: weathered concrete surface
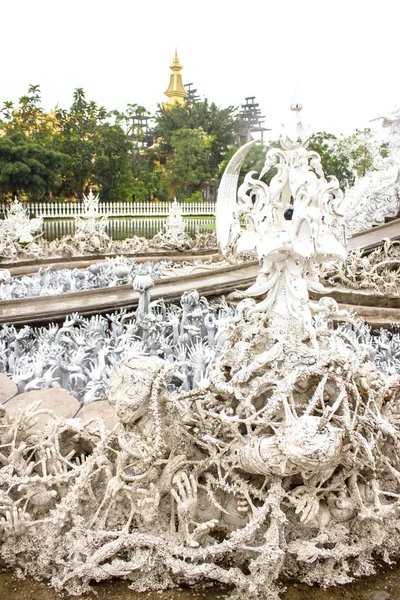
x=8, y=389
x=55, y=400
x=373, y=315
x=208, y=281
x=374, y=236
x=100, y=410
x=377, y=311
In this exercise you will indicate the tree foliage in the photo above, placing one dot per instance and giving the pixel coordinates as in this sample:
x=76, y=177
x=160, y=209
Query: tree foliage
x=112, y=172
x=334, y=159
x=66, y=151
x=188, y=167
x=26, y=167
x=213, y=121
x=78, y=138
x=98, y=152
x=348, y=157
x=28, y=117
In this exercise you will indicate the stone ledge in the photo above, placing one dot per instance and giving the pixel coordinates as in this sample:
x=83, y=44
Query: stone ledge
x=8, y=389
x=55, y=400
x=101, y=409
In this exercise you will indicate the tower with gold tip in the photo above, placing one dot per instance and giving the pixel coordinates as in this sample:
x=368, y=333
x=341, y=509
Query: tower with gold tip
x=176, y=92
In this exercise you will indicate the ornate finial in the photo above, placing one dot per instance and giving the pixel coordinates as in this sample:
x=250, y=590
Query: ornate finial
x=176, y=92
x=295, y=135
x=292, y=224
x=295, y=105
x=176, y=65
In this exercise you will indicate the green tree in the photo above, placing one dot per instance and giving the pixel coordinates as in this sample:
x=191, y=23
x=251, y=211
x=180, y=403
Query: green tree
x=99, y=152
x=26, y=167
x=79, y=139
x=112, y=169
x=150, y=179
x=28, y=117
x=363, y=149
x=188, y=167
x=131, y=122
x=213, y=121
x=334, y=158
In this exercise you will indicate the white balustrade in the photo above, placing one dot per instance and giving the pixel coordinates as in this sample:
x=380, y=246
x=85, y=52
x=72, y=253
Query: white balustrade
x=52, y=210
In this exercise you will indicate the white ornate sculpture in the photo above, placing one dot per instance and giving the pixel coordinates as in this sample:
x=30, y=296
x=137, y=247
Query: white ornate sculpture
x=279, y=459
x=375, y=271
x=17, y=226
x=50, y=282
x=80, y=355
x=175, y=225
x=91, y=222
x=84, y=243
x=377, y=195
x=290, y=225
x=174, y=237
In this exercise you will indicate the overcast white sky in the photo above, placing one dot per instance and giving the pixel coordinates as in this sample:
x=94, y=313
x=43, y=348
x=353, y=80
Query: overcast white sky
x=342, y=55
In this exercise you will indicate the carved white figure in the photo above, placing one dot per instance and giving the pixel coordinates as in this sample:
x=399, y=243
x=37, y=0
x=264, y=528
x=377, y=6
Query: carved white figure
x=377, y=195
x=174, y=237
x=290, y=225
x=280, y=460
x=91, y=222
x=175, y=225
x=18, y=226
x=375, y=271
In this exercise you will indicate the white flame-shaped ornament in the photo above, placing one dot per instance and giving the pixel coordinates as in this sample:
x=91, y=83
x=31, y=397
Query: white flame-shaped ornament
x=291, y=225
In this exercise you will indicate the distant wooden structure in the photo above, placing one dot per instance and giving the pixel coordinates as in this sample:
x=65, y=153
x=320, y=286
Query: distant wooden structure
x=191, y=94
x=250, y=121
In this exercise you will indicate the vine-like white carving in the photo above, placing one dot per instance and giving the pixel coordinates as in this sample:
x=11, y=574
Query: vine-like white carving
x=17, y=227
x=376, y=196
x=282, y=459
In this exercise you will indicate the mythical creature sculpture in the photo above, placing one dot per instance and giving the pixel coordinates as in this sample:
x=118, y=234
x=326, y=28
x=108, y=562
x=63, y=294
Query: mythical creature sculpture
x=282, y=462
x=377, y=195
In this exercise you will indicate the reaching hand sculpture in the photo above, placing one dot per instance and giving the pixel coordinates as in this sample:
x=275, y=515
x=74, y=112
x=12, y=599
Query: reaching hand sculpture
x=281, y=458
x=290, y=225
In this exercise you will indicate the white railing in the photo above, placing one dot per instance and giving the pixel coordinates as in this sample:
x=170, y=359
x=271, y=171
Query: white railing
x=126, y=227
x=68, y=210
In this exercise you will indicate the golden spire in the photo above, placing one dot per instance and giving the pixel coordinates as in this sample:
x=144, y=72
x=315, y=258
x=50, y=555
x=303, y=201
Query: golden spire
x=175, y=92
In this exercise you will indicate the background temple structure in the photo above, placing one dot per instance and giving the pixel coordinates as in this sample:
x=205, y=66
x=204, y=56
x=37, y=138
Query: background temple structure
x=176, y=93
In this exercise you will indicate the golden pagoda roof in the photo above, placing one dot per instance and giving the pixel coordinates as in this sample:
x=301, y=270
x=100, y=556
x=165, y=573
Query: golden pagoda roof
x=176, y=91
